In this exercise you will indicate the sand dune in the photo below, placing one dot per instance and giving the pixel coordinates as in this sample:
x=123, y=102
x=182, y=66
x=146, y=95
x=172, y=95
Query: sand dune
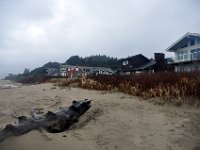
x=115, y=121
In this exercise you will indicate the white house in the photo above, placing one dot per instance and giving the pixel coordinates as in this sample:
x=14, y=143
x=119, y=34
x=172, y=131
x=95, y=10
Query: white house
x=187, y=53
x=64, y=69
x=53, y=72
x=68, y=70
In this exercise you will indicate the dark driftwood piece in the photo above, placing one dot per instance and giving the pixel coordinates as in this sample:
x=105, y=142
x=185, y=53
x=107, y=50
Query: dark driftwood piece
x=52, y=121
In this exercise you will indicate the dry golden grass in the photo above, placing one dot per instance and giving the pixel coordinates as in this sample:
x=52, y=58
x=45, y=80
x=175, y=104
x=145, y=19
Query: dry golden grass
x=171, y=87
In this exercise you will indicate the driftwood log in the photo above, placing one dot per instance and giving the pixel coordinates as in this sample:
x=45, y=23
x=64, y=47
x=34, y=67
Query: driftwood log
x=53, y=122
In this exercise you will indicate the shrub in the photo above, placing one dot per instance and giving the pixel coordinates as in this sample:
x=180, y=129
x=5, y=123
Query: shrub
x=177, y=88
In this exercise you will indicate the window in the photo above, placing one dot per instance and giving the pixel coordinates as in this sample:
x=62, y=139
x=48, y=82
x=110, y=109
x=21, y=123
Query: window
x=192, y=42
x=193, y=50
x=125, y=62
x=198, y=53
x=184, y=46
x=178, y=56
x=185, y=55
x=198, y=41
x=195, y=54
x=182, y=55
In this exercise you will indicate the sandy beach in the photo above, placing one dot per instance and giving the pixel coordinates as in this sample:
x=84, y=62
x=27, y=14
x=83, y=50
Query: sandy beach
x=115, y=121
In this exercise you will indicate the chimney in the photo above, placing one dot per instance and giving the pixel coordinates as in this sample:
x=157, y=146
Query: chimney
x=160, y=62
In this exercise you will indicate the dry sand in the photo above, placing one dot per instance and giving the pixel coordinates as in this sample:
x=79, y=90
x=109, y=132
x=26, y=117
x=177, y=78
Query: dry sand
x=115, y=121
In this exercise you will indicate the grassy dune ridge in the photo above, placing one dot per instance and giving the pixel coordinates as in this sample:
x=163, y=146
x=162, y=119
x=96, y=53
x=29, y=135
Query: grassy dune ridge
x=177, y=88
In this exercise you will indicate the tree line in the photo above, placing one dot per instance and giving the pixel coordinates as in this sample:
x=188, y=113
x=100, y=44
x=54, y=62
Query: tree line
x=94, y=61
x=30, y=76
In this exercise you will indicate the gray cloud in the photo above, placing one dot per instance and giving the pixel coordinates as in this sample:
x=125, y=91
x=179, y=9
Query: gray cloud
x=33, y=32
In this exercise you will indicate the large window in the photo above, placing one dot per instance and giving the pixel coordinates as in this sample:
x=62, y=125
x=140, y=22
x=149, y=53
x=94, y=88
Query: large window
x=125, y=62
x=184, y=46
x=198, y=41
x=185, y=55
x=198, y=53
x=178, y=56
x=192, y=42
x=195, y=54
x=182, y=55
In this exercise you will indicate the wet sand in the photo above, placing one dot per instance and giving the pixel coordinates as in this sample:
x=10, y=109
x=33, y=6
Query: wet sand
x=115, y=121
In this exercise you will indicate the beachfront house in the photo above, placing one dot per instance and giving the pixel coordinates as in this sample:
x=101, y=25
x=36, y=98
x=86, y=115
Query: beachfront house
x=75, y=71
x=187, y=53
x=53, y=72
x=96, y=70
x=128, y=64
x=141, y=64
x=64, y=70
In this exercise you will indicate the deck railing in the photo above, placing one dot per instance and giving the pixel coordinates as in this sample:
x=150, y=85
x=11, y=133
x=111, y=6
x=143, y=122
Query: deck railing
x=186, y=57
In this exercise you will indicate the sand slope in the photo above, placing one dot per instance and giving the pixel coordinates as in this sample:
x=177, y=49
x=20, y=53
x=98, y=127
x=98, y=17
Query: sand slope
x=115, y=121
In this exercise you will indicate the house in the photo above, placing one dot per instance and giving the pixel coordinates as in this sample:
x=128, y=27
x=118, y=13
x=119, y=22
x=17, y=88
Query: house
x=75, y=71
x=128, y=64
x=187, y=53
x=141, y=64
x=96, y=70
x=64, y=70
x=53, y=72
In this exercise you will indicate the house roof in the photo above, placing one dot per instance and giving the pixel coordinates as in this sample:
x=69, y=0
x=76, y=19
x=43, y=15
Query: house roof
x=145, y=66
x=182, y=41
x=65, y=66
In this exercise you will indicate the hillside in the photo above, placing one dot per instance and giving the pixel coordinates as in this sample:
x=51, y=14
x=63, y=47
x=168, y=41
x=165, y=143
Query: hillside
x=94, y=61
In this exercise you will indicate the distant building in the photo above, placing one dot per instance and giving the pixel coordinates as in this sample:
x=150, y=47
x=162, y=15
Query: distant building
x=141, y=64
x=53, y=72
x=65, y=69
x=187, y=53
x=75, y=71
x=96, y=70
x=128, y=64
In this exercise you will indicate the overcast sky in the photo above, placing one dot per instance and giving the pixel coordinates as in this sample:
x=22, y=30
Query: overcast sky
x=33, y=32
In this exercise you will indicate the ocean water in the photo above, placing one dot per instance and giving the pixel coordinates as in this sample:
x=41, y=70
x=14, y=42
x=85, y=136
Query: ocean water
x=4, y=84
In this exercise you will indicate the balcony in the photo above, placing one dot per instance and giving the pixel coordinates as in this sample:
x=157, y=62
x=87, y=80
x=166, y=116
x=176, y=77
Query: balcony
x=185, y=58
